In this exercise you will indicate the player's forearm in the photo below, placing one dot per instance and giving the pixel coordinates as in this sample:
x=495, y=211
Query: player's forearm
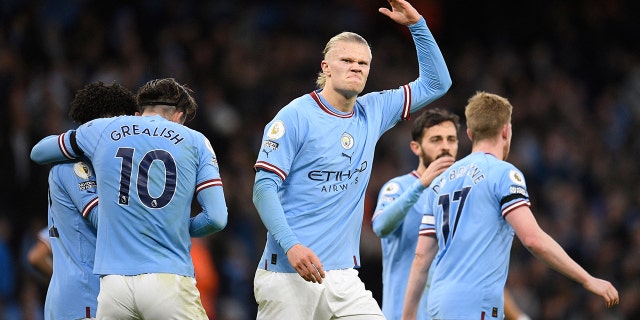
x=47, y=150
x=266, y=201
x=434, y=79
x=93, y=217
x=549, y=251
x=415, y=287
x=214, y=215
x=391, y=216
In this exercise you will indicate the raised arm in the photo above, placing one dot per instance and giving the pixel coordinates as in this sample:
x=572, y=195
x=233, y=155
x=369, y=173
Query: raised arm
x=434, y=79
x=540, y=244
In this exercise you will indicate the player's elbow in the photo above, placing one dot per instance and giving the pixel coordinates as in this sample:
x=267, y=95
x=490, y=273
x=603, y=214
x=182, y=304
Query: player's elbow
x=221, y=222
x=533, y=242
x=37, y=155
x=39, y=152
x=445, y=83
x=256, y=196
x=379, y=229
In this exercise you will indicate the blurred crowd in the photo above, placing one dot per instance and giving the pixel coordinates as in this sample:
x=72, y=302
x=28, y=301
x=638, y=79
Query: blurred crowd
x=570, y=68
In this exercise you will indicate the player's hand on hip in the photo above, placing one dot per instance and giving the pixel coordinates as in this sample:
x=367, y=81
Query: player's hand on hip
x=401, y=12
x=604, y=289
x=306, y=263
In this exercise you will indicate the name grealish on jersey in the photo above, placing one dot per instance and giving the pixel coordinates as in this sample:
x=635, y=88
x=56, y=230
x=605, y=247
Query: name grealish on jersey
x=135, y=130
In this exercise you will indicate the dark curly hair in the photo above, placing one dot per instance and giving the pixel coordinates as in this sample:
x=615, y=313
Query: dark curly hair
x=97, y=100
x=430, y=118
x=167, y=92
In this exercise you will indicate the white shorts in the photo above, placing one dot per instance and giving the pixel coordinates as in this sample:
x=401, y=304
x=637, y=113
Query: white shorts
x=341, y=295
x=149, y=296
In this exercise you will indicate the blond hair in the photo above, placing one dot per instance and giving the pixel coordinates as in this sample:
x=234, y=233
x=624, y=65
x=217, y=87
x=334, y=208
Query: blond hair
x=344, y=36
x=486, y=114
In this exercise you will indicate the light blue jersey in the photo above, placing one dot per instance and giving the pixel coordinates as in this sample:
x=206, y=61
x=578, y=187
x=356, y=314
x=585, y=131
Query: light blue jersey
x=148, y=169
x=320, y=160
x=73, y=289
x=396, y=220
x=469, y=202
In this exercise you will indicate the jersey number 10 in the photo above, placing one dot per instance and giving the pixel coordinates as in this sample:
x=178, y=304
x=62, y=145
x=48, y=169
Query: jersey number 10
x=142, y=183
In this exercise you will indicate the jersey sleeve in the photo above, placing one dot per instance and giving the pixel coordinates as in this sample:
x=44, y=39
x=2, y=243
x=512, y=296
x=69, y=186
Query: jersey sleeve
x=53, y=149
x=428, y=222
x=266, y=201
x=511, y=190
x=432, y=83
x=69, y=145
x=208, y=168
x=209, y=193
x=434, y=79
x=393, y=205
x=279, y=144
x=81, y=187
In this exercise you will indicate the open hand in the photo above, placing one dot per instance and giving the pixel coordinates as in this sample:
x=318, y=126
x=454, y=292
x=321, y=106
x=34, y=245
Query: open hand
x=401, y=12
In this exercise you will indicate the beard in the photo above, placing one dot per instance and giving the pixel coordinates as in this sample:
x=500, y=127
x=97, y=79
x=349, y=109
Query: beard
x=427, y=159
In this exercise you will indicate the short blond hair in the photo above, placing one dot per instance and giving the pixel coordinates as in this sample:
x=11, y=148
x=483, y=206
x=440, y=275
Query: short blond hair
x=343, y=36
x=486, y=114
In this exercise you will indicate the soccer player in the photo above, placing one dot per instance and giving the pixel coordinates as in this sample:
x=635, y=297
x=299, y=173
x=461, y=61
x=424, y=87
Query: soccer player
x=148, y=169
x=396, y=219
x=73, y=289
x=473, y=210
x=313, y=169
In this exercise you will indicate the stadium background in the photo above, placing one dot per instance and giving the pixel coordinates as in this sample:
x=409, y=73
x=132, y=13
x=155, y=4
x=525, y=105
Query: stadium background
x=570, y=68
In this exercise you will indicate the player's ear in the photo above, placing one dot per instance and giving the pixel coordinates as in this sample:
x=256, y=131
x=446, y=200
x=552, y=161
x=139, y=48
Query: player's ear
x=415, y=147
x=505, y=131
x=178, y=117
x=325, y=67
x=469, y=134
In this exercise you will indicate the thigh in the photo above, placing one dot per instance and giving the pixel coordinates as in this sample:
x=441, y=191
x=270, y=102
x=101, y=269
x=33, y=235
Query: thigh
x=168, y=296
x=348, y=297
x=287, y=296
x=115, y=299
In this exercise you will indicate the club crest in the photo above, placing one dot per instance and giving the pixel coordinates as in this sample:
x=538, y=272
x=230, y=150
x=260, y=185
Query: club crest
x=346, y=141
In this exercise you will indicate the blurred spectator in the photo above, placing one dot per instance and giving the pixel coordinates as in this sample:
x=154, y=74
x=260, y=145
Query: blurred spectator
x=207, y=280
